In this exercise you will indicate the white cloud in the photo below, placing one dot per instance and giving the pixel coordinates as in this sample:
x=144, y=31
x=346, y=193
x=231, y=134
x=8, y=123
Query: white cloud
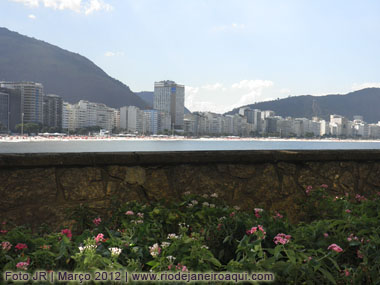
x=111, y=53
x=96, y=5
x=254, y=90
x=357, y=86
x=30, y=3
x=286, y=91
x=252, y=84
x=32, y=17
x=218, y=98
x=215, y=86
x=79, y=6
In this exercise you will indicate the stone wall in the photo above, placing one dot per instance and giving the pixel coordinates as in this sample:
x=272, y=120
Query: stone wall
x=40, y=188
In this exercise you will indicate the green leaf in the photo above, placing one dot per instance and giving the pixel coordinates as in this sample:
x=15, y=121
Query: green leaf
x=327, y=275
x=277, y=251
x=214, y=261
x=152, y=263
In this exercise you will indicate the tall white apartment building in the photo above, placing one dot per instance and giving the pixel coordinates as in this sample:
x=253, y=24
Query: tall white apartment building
x=32, y=94
x=339, y=125
x=151, y=122
x=88, y=114
x=131, y=119
x=164, y=121
x=170, y=97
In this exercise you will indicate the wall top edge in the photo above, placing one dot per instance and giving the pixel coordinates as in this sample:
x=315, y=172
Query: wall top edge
x=182, y=157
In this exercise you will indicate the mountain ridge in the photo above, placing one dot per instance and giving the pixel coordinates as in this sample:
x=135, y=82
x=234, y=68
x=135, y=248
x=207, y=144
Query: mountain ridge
x=362, y=102
x=68, y=74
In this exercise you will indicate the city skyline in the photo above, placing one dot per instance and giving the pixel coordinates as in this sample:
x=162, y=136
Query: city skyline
x=22, y=98
x=227, y=54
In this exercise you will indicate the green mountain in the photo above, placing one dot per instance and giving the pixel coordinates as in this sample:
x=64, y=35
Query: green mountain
x=365, y=102
x=64, y=73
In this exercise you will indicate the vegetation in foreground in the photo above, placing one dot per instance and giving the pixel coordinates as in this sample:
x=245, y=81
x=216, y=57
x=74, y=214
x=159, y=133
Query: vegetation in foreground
x=340, y=244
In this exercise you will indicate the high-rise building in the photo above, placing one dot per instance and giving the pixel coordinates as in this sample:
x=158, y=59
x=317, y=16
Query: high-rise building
x=53, y=107
x=170, y=97
x=151, y=121
x=4, y=112
x=87, y=114
x=10, y=109
x=131, y=119
x=31, y=99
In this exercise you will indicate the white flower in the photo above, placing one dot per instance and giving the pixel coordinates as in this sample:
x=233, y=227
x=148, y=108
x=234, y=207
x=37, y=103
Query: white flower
x=140, y=215
x=87, y=247
x=155, y=250
x=186, y=193
x=172, y=236
x=195, y=202
x=205, y=196
x=205, y=204
x=190, y=205
x=237, y=208
x=165, y=244
x=183, y=225
x=115, y=251
x=204, y=246
x=258, y=210
x=214, y=195
x=212, y=205
x=171, y=258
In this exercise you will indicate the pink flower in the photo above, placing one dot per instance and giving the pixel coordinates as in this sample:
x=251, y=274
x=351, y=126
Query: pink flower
x=3, y=232
x=129, y=213
x=335, y=247
x=22, y=265
x=257, y=230
x=282, y=238
x=257, y=212
x=67, y=233
x=346, y=272
x=97, y=221
x=278, y=216
x=309, y=187
x=325, y=235
x=6, y=245
x=324, y=186
x=360, y=198
x=170, y=266
x=352, y=237
x=219, y=227
x=348, y=211
x=184, y=268
x=21, y=246
x=232, y=214
x=308, y=259
x=99, y=238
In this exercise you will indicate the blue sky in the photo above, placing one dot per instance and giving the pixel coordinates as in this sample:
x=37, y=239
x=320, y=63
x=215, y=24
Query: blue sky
x=226, y=53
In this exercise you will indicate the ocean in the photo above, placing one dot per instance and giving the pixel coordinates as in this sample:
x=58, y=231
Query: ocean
x=145, y=145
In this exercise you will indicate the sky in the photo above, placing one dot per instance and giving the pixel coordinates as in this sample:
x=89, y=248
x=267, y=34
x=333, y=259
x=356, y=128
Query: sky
x=227, y=53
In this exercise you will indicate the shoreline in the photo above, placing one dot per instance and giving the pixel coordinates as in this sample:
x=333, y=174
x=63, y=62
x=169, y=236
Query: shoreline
x=15, y=139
